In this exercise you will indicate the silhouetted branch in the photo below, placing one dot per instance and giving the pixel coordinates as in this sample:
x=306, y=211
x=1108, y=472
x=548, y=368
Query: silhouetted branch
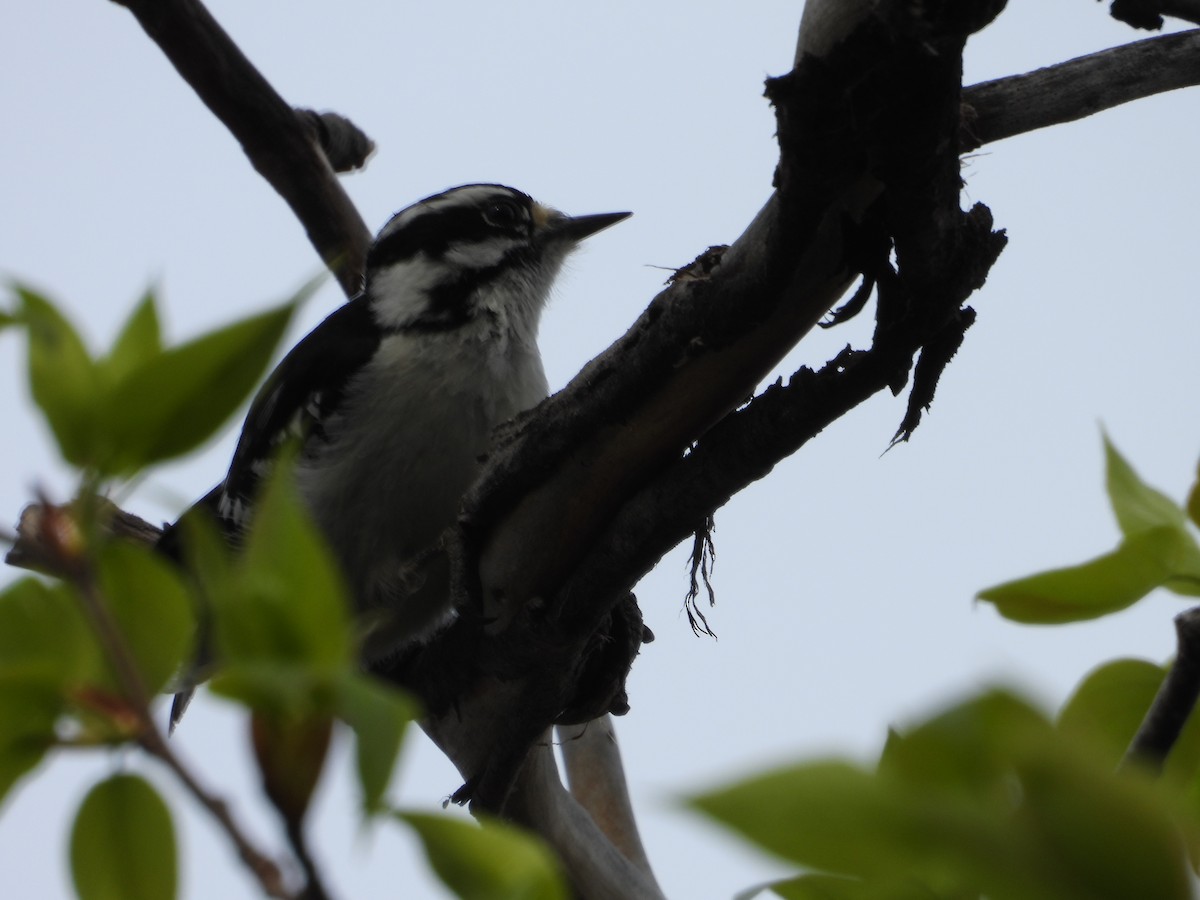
x=1148, y=14
x=1080, y=87
x=282, y=146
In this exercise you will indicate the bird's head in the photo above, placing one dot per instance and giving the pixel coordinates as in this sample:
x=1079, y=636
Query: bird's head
x=479, y=249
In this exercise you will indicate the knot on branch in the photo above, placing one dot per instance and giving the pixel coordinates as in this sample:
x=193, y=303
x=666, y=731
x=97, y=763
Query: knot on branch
x=344, y=144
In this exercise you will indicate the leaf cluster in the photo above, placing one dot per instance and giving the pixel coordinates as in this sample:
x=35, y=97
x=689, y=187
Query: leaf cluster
x=988, y=798
x=1158, y=548
x=81, y=657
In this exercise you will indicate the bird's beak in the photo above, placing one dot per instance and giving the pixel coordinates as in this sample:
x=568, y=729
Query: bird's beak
x=576, y=228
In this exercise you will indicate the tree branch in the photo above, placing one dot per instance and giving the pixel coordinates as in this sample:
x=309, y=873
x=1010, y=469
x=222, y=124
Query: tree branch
x=1080, y=87
x=282, y=146
x=1175, y=701
x=1148, y=14
x=584, y=494
x=596, y=779
x=879, y=114
x=596, y=869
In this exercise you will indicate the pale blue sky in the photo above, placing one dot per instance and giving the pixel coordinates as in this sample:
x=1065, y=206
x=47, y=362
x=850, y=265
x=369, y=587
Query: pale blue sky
x=845, y=580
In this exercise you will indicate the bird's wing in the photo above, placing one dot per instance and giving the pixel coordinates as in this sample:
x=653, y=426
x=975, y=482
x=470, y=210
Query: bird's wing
x=296, y=401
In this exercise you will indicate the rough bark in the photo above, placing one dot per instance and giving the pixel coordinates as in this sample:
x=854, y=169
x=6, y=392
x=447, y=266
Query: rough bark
x=584, y=494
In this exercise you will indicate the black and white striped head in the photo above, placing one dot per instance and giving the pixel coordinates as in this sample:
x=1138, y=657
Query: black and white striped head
x=479, y=249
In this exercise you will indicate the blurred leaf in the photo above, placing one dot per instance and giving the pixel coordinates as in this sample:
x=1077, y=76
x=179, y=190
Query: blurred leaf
x=123, y=843
x=967, y=749
x=147, y=598
x=820, y=887
x=379, y=714
x=1110, y=836
x=287, y=603
x=1138, y=507
x=492, y=862
x=290, y=753
x=62, y=377
x=835, y=887
x=291, y=690
x=172, y=402
x=44, y=637
x=837, y=817
x=7, y=320
x=28, y=713
x=46, y=653
x=1021, y=819
x=1109, y=704
x=1193, y=500
x=1108, y=707
x=139, y=341
x=1106, y=584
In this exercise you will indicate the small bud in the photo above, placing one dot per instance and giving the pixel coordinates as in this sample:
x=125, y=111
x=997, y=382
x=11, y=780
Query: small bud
x=59, y=533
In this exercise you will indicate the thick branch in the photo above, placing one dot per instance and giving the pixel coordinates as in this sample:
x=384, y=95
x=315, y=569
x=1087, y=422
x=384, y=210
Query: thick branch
x=552, y=490
x=1080, y=87
x=282, y=146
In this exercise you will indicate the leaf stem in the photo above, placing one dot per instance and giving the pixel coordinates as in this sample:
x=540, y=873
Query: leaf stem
x=1174, y=702
x=152, y=740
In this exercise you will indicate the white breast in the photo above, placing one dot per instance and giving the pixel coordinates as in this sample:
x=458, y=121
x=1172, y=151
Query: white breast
x=406, y=447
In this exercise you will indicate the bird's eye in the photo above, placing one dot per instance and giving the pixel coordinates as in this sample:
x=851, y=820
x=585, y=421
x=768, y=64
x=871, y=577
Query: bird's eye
x=502, y=214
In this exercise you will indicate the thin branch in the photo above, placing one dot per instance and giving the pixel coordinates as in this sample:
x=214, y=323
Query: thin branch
x=598, y=871
x=67, y=559
x=1175, y=701
x=282, y=146
x=263, y=868
x=1080, y=87
x=314, y=885
x=596, y=779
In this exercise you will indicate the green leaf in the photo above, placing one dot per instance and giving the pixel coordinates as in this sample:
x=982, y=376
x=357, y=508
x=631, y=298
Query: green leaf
x=1111, y=838
x=1029, y=815
x=123, y=843
x=1109, y=704
x=46, y=653
x=28, y=713
x=176, y=400
x=967, y=748
x=1106, y=584
x=492, y=862
x=1108, y=707
x=291, y=755
x=139, y=341
x=1193, y=500
x=820, y=887
x=62, y=377
x=150, y=603
x=287, y=602
x=7, y=320
x=379, y=714
x=290, y=690
x=838, y=817
x=1138, y=507
x=835, y=887
x=44, y=637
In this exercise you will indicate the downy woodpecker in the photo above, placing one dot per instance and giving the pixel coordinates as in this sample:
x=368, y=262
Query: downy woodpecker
x=394, y=395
